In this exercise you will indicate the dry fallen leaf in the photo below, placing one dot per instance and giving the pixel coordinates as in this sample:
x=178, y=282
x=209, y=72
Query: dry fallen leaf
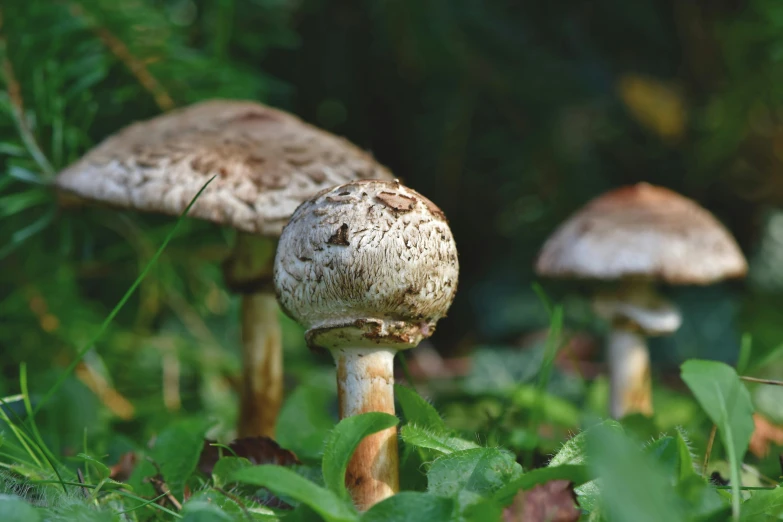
x=124, y=467
x=258, y=450
x=764, y=435
x=553, y=501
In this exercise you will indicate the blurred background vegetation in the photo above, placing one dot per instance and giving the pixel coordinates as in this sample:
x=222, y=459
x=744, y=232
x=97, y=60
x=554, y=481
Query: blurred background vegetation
x=508, y=115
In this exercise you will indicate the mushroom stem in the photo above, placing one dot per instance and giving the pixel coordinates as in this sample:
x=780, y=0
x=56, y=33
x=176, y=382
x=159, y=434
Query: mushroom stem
x=262, y=362
x=365, y=383
x=629, y=371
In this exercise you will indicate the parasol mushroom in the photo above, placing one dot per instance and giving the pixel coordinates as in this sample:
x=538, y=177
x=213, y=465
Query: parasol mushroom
x=266, y=162
x=368, y=268
x=636, y=236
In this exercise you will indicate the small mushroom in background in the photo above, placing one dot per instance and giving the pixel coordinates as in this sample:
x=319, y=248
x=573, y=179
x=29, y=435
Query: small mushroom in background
x=266, y=163
x=368, y=268
x=636, y=236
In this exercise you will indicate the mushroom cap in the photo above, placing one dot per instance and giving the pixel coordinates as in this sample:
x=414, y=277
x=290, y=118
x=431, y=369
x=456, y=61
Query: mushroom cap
x=365, y=264
x=642, y=231
x=266, y=162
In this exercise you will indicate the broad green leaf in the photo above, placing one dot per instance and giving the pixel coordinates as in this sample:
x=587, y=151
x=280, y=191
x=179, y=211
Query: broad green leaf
x=441, y=442
x=342, y=443
x=177, y=451
x=226, y=467
x=704, y=501
x=14, y=508
x=727, y=402
x=417, y=410
x=673, y=454
x=633, y=486
x=409, y=506
x=285, y=482
x=230, y=505
x=203, y=511
x=676, y=462
x=578, y=474
x=304, y=422
x=574, y=449
x=472, y=475
x=763, y=503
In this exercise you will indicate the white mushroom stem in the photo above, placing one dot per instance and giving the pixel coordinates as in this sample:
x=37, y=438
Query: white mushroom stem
x=365, y=383
x=262, y=362
x=248, y=271
x=629, y=374
x=635, y=310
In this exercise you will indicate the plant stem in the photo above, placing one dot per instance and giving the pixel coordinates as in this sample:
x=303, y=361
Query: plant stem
x=629, y=374
x=262, y=354
x=365, y=383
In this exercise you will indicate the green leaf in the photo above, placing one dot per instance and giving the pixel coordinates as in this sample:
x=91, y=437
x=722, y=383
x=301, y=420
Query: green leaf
x=203, y=511
x=632, y=484
x=763, y=503
x=727, y=402
x=226, y=467
x=417, y=410
x=574, y=451
x=441, y=442
x=673, y=454
x=285, y=482
x=14, y=508
x=177, y=451
x=342, y=442
x=233, y=505
x=411, y=506
x=304, y=422
x=576, y=473
x=103, y=469
x=472, y=475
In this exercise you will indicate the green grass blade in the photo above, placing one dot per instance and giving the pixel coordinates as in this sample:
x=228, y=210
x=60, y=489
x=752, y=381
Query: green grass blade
x=83, y=351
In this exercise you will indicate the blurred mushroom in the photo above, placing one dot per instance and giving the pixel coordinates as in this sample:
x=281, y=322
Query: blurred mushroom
x=368, y=268
x=638, y=235
x=266, y=162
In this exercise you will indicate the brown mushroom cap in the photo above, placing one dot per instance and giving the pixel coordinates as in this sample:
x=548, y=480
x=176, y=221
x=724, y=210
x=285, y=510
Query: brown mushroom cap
x=642, y=231
x=266, y=161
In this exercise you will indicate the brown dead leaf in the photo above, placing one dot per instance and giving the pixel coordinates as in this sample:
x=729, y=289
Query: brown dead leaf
x=124, y=467
x=554, y=501
x=258, y=450
x=764, y=435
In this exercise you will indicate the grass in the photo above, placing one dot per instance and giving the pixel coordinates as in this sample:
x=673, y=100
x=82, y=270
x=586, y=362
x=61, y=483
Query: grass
x=447, y=472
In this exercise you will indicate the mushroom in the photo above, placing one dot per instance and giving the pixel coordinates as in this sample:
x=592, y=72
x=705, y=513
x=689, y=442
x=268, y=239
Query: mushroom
x=636, y=236
x=266, y=162
x=368, y=268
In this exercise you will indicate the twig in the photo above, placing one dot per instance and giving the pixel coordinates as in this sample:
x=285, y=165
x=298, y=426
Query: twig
x=110, y=397
x=137, y=68
x=14, y=90
x=80, y=475
x=163, y=489
x=762, y=381
x=709, y=450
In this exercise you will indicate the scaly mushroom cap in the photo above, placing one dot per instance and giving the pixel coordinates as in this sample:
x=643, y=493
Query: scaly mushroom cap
x=266, y=162
x=642, y=231
x=367, y=263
